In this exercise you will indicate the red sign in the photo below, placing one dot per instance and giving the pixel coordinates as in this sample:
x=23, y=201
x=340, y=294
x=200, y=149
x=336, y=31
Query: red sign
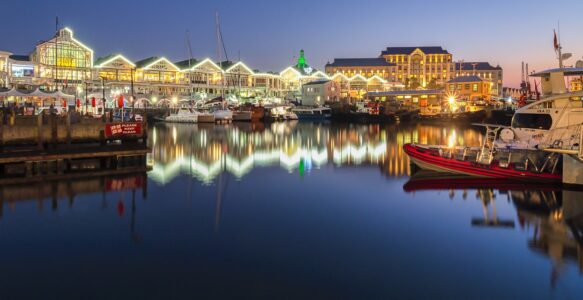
x=121, y=129
x=120, y=184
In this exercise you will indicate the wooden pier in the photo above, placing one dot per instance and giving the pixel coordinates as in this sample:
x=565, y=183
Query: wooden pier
x=50, y=144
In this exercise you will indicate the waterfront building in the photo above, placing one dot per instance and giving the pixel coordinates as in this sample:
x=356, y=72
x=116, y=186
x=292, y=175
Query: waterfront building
x=320, y=91
x=485, y=71
x=294, y=77
x=575, y=85
x=468, y=88
x=409, y=98
x=420, y=67
x=65, y=63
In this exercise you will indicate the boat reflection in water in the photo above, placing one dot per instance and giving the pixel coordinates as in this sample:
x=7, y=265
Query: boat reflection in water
x=205, y=151
x=552, y=216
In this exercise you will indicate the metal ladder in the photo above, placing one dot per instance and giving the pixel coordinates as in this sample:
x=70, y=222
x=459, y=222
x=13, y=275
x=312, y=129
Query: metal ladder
x=487, y=151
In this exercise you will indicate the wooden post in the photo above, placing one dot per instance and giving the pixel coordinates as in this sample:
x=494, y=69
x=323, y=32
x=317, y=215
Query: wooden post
x=1, y=131
x=54, y=130
x=28, y=168
x=68, y=120
x=39, y=127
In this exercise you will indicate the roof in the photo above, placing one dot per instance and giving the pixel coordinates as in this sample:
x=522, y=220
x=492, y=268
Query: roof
x=405, y=92
x=103, y=59
x=146, y=61
x=225, y=64
x=360, y=62
x=409, y=50
x=315, y=82
x=482, y=66
x=20, y=57
x=471, y=78
x=187, y=63
x=566, y=72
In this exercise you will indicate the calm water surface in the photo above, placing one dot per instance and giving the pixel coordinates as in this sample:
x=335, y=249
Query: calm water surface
x=290, y=210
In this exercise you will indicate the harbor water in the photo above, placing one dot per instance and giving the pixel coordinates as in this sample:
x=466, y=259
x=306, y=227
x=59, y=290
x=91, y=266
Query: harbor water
x=290, y=210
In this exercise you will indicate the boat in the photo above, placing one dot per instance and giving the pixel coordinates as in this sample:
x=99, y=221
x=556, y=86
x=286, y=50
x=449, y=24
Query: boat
x=312, y=113
x=282, y=113
x=223, y=115
x=205, y=117
x=183, y=115
x=532, y=147
x=524, y=165
x=242, y=116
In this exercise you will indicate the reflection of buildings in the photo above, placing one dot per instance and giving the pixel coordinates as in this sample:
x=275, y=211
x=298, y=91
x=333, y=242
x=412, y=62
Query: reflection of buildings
x=551, y=216
x=206, y=151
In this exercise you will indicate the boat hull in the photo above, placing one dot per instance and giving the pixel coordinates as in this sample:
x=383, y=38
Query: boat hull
x=425, y=159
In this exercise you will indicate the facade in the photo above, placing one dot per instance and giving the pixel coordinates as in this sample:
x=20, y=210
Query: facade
x=409, y=98
x=485, y=71
x=469, y=88
x=408, y=68
x=318, y=92
x=66, y=64
x=420, y=67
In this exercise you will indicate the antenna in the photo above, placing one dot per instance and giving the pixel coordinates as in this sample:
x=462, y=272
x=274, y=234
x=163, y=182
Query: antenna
x=189, y=48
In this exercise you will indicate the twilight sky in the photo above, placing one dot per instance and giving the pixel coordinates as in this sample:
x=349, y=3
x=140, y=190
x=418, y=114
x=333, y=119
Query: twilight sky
x=267, y=34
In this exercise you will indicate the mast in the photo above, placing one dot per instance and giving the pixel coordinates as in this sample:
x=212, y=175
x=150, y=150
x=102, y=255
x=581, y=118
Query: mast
x=56, y=52
x=190, y=58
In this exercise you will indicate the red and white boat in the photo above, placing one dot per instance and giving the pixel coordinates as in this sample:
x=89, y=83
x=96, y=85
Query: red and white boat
x=523, y=165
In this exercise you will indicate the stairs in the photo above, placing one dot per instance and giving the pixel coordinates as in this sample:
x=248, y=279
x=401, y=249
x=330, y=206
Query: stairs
x=487, y=151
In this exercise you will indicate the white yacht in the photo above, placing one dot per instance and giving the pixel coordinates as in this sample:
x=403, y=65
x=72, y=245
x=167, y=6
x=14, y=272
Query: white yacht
x=183, y=115
x=223, y=115
x=555, y=121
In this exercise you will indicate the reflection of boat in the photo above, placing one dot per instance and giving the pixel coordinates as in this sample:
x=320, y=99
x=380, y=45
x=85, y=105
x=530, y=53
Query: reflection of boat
x=429, y=180
x=523, y=166
x=183, y=115
x=312, y=113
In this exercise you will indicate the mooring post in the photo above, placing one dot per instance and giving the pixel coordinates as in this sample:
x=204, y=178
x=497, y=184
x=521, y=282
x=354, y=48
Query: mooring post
x=68, y=125
x=39, y=127
x=28, y=168
x=54, y=130
x=1, y=131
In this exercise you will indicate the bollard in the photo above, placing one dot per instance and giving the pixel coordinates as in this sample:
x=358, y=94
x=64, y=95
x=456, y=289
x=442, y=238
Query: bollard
x=39, y=127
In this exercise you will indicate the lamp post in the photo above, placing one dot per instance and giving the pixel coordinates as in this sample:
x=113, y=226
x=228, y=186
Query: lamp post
x=103, y=92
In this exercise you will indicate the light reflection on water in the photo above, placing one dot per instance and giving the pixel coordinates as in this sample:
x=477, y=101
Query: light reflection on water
x=206, y=151
x=301, y=209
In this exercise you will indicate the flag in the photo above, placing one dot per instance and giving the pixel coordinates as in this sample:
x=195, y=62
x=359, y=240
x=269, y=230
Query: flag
x=555, y=41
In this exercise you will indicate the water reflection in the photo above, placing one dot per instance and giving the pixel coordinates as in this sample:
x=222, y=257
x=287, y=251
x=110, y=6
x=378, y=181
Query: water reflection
x=551, y=217
x=205, y=151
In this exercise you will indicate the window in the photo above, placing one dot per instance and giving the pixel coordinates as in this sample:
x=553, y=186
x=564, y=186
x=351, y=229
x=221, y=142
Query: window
x=467, y=86
x=475, y=87
x=532, y=121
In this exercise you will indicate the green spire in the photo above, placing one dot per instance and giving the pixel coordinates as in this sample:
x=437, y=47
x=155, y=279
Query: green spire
x=301, y=60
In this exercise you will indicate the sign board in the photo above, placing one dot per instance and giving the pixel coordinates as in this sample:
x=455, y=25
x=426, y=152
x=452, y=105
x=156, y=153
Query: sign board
x=121, y=129
x=120, y=184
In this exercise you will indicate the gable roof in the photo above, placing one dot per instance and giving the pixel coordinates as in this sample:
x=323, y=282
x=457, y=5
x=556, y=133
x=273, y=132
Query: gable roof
x=360, y=62
x=99, y=62
x=187, y=63
x=460, y=79
x=482, y=66
x=316, y=82
x=146, y=61
x=409, y=50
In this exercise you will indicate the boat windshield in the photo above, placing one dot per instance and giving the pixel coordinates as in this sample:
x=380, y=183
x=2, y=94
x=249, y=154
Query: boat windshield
x=532, y=121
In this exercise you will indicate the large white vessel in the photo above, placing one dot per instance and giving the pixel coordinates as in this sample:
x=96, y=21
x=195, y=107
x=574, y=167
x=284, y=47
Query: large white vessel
x=555, y=121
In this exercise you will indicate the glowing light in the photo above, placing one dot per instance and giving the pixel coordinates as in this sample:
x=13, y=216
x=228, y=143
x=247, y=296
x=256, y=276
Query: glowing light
x=174, y=100
x=451, y=100
x=154, y=99
x=162, y=59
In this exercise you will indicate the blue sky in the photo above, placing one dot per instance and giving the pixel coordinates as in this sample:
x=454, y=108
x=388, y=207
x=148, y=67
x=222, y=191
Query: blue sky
x=268, y=34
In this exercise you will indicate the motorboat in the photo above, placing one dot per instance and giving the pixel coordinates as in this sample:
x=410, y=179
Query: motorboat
x=183, y=115
x=223, y=115
x=312, y=113
x=524, y=165
x=242, y=116
x=282, y=113
x=531, y=149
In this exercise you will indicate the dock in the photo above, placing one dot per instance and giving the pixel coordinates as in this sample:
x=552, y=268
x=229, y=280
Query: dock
x=49, y=144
